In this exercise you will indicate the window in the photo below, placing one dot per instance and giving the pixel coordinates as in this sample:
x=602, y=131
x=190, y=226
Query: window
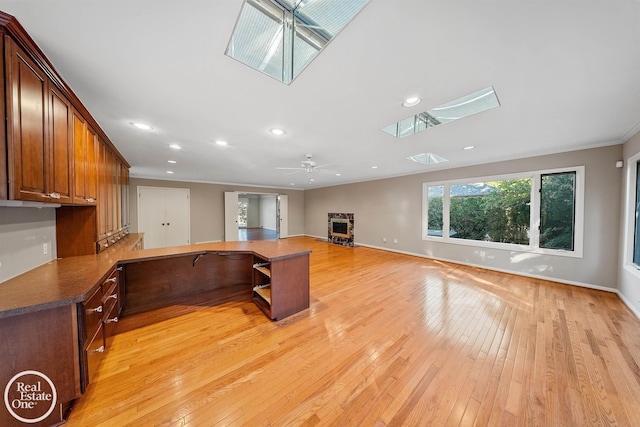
x=243, y=209
x=636, y=234
x=557, y=210
x=534, y=211
x=434, y=218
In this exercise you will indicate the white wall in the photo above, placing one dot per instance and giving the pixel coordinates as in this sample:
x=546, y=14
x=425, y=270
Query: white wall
x=268, y=212
x=23, y=233
x=207, y=206
x=253, y=212
x=392, y=208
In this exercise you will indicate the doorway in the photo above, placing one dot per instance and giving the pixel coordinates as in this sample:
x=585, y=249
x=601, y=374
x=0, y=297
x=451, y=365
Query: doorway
x=255, y=216
x=164, y=216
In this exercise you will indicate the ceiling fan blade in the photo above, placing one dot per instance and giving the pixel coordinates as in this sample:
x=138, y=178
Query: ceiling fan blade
x=294, y=172
x=298, y=169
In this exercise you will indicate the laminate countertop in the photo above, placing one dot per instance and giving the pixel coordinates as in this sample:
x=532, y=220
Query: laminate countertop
x=71, y=280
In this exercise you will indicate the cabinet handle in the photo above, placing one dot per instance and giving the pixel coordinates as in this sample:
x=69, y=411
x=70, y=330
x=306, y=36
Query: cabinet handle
x=114, y=296
x=120, y=268
x=91, y=200
x=97, y=350
x=53, y=195
x=114, y=320
x=111, y=279
x=98, y=309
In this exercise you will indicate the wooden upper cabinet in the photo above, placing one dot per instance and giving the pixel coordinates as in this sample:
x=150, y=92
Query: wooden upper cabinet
x=61, y=147
x=27, y=143
x=85, y=148
x=91, y=166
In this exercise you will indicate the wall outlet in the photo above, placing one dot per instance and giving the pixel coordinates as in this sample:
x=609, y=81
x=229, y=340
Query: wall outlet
x=395, y=240
x=384, y=240
x=45, y=248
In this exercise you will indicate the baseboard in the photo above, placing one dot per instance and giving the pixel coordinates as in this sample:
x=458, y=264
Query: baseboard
x=628, y=304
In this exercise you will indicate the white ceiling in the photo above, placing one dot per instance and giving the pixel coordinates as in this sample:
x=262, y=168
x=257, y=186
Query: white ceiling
x=567, y=74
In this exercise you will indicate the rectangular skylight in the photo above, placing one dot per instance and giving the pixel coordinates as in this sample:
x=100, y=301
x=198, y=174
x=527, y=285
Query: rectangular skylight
x=474, y=103
x=427, y=158
x=281, y=37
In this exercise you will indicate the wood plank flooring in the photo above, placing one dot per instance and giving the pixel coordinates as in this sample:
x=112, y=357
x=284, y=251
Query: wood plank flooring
x=389, y=340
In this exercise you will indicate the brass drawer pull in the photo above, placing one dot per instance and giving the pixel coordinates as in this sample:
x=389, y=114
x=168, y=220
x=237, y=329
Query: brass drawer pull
x=114, y=296
x=114, y=320
x=112, y=280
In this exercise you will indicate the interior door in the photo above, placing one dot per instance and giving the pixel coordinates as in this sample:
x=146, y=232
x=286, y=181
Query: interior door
x=164, y=216
x=177, y=214
x=230, y=216
x=151, y=216
x=283, y=213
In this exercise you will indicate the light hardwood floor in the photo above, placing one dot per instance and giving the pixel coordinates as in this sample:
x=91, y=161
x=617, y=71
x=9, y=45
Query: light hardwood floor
x=389, y=340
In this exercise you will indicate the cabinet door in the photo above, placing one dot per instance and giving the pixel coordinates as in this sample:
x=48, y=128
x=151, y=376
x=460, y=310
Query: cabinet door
x=79, y=127
x=85, y=149
x=26, y=127
x=91, y=166
x=103, y=201
x=124, y=207
x=60, y=172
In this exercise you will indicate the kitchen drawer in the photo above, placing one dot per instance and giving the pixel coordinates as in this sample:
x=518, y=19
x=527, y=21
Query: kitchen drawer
x=110, y=321
x=93, y=313
x=110, y=296
x=93, y=354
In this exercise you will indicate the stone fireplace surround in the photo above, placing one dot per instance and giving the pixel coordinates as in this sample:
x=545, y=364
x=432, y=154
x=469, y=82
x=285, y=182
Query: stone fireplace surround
x=340, y=239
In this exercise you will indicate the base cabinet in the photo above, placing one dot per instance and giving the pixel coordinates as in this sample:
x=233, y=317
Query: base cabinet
x=38, y=351
x=97, y=317
x=281, y=287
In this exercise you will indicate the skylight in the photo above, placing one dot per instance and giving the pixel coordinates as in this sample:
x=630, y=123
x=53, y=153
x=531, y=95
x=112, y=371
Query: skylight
x=281, y=37
x=474, y=103
x=427, y=158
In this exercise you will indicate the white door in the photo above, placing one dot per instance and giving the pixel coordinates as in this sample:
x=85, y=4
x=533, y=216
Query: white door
x=283, y=210
x=164, y=216
x=230, y=216
x=177, y=209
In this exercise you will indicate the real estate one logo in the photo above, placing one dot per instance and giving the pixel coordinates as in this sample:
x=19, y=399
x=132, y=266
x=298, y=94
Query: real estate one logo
x=30, y=396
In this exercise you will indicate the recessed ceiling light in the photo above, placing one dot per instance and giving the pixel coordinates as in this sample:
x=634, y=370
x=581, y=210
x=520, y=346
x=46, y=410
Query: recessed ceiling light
x=277, y=131
x=170, y=172
x=338, y=174
x=411, y=101
x=175, y=147
x=142, y=126
x=374, y=167
x=293, y=183
x=311, y=180
x=469, y=147
x=171, y=161
x=222, y=143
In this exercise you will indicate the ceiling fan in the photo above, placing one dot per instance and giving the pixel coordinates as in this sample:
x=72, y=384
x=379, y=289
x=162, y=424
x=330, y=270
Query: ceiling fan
x=307, y=165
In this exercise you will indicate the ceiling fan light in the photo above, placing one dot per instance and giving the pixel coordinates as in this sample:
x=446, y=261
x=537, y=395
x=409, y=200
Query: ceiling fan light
x=277, y=131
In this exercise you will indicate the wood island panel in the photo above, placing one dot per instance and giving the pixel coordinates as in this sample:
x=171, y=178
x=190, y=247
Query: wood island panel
x=158, y=283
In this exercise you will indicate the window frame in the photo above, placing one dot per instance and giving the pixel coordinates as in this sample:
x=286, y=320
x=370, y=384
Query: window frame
x=534, y=238
x=630, y=210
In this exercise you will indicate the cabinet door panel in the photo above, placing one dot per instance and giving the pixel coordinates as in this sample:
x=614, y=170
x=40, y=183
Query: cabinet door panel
x=80, y=159
x=61, y=176
x=91, y=166
x=27, y=96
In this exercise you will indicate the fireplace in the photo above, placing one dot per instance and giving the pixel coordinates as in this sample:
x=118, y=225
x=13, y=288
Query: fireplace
x=341, y=229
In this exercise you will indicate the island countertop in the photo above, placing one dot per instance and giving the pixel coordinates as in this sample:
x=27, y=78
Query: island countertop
x=71, y=280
